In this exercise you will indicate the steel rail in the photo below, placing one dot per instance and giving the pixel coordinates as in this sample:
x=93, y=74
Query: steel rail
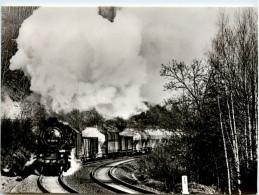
x=46, y=186
x=127, y=184
x=65, y=186
x=115, y=184
x=39, y=182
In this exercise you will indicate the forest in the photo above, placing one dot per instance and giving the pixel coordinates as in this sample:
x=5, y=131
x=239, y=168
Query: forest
x=214, y=117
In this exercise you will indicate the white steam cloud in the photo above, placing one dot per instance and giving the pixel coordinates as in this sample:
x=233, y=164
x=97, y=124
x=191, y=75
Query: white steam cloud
x=77, y=59
x=75, y=164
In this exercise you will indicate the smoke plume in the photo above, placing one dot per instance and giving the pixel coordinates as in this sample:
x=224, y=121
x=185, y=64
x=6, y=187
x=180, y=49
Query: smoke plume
x=77, y=59
x=75, y=164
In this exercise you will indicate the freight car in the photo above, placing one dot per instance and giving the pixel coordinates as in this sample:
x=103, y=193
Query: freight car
x=112, y=143
x=55, y=141
x=92, y=140
x=111, y=146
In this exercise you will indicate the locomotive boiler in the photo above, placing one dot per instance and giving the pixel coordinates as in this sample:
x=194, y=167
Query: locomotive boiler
x=55, y=142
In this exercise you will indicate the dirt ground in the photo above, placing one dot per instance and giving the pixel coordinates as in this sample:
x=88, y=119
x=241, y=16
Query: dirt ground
x=27, y=185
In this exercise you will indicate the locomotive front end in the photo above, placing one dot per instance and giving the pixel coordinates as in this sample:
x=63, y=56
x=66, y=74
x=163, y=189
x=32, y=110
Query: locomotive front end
x=54, y=147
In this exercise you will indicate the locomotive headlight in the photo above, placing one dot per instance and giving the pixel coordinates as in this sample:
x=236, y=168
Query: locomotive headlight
x=62, y=155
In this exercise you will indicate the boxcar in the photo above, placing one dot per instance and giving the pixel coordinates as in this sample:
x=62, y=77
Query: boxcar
x=111, y=147
x=89, y=148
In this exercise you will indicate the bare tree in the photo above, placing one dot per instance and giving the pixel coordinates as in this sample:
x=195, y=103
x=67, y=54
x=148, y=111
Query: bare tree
x=234, y=56
x=12, y=18
x=191, y=79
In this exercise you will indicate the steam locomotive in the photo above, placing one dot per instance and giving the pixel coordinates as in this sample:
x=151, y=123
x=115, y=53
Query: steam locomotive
x=55, y=141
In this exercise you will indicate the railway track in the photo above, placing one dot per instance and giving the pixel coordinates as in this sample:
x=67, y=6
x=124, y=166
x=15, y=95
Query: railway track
x=53, y=184
x=103, y=175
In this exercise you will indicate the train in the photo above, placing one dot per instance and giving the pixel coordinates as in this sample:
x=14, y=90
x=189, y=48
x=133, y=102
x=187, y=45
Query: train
x=57, y=139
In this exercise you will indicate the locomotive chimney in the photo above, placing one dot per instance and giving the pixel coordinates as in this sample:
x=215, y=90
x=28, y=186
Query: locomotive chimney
x=53, y=119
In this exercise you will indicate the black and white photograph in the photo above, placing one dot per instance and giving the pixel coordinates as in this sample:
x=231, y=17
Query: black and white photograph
x=119, y=99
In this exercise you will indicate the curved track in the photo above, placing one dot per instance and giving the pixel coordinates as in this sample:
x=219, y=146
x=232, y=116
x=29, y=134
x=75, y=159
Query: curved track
x=103, y=175
x=53, y=184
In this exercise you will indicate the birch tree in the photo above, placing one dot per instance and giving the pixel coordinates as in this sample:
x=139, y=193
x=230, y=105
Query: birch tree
x=234, y=56
x=221, y=102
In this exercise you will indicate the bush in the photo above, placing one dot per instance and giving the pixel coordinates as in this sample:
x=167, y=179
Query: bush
x=17, y=144
x=195, y=188
x=165, y=164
